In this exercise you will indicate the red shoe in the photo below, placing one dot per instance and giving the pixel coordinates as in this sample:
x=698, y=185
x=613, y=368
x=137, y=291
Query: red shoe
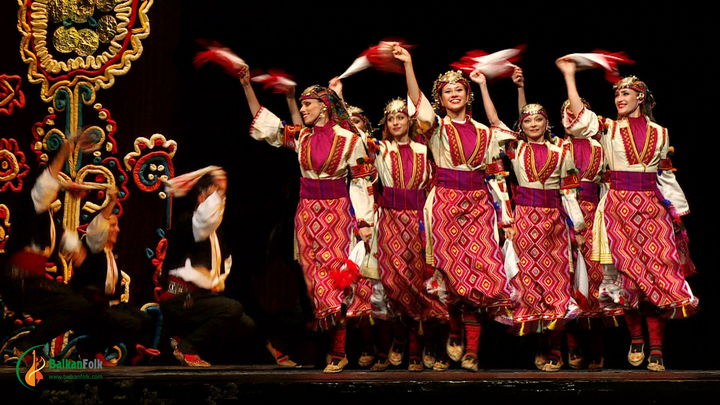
x=27, y=360
x=281, y=360
x=191, y=360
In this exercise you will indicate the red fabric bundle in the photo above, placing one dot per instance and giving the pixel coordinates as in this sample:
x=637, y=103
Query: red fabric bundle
x=599, y=58
x=346, y=275
x=495, y=65
x=380, y=57
x=275, y=80
x=220, y=55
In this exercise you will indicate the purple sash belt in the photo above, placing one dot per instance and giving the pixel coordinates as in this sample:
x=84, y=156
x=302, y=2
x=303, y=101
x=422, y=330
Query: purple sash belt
x=590, y=192
x=461, y=180
x=637, y=181
x=323, y=189
x=535, y=197
x=633, y=181
x=402, y=198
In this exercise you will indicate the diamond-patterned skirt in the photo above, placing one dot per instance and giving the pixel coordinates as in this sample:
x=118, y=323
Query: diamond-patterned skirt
x=323, y=229
x=543, y=283
x=642, y=244
x=465, y=250
x=402, y=266
x=592, y=307
x=361, y=304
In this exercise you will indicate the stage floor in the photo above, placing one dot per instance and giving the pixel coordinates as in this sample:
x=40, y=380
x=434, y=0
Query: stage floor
x=268, y=384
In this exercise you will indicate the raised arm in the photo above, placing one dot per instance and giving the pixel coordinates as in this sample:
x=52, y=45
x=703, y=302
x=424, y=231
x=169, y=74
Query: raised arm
x=579, y=121
x=478, y=77
x=96, y=235
x=112, y=194
x=252, y=100
x=47, y=185
x=292, y=106
x=403, y=55
x=568, y=67
x=336, y=85
x=208, y=216
x=60, y=158
x=519, y=81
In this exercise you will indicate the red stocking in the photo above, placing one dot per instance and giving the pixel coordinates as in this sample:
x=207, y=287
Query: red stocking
x=415, y=349
x=386, y=334
x=634, y=323
x=455, y=324
x=471, y=322
x=339, y=340
x=555, y=344
x=656, y=330
x=400, y=332
x=368, y=337
x=573, y=342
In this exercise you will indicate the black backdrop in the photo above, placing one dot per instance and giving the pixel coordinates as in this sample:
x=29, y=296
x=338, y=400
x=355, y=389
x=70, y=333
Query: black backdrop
x=205, y=112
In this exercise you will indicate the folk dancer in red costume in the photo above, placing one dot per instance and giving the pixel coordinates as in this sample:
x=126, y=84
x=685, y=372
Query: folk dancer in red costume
x=405, y=171
x=589, y=158
x=547, y=216
x=328, y=145
x=464, y=210
x=637, y=233
x=367, y=308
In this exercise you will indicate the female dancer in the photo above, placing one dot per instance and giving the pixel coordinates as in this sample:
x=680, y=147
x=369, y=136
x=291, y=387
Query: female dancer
x=633, y=229
x=589, y=159
x=545, y=200
x=368, y=304
x=588, y=156
x=460, y=218
x=327, y=146
x=405, y=172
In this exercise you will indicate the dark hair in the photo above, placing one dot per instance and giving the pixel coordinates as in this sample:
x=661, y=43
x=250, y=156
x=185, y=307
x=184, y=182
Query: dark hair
x=205, y=182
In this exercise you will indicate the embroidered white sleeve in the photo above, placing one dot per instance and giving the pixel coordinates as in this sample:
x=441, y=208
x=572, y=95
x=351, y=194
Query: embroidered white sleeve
x=569, y=197
x=45, y=191
x=360, y=197
x=97, y=233
x=584, y=125
x=669, y=187
x=208, y=216
x=267, y=127
x=423, y=112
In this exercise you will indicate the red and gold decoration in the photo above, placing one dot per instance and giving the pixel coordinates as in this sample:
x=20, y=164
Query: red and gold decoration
x=65, y=42
x=151, y=164
x=74, y=48
x=4, y=226
x=10, y=94
x=94, y=163
x=12, y=166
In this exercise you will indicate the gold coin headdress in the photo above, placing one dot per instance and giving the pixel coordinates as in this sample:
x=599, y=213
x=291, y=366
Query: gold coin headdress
x=450, y=77
x=645, y=97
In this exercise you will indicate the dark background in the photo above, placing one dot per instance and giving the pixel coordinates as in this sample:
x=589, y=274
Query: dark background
x=206, y=114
